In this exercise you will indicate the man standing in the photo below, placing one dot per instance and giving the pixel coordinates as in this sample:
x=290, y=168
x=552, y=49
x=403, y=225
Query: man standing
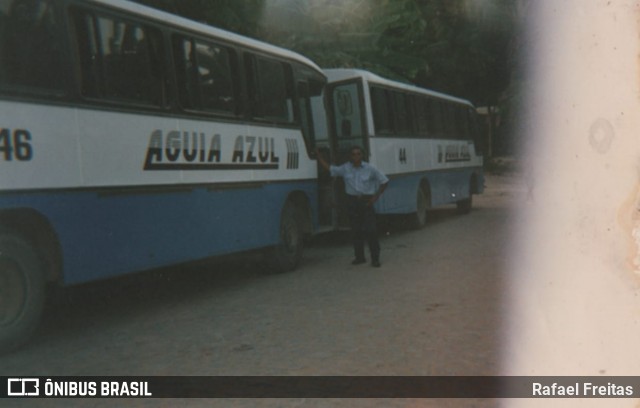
x=363, y=184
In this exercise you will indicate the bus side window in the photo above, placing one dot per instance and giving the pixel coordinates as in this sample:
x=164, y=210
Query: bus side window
x=432, y=119
x=461, y=120
x=186, y=73
x=381, y=111
x=30, y=51
x=404, y=113
x=120, y=60
x=251, y=81
x=90, y=58
x=205, y=75
x=440, y=117
x=421, y=104
x=445, y=124
x=270, y=89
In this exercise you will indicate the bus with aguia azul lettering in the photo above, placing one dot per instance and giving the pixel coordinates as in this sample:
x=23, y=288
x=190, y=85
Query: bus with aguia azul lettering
x=132, y=139
x=424, y=141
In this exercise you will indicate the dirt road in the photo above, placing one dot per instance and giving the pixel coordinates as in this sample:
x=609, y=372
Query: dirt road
x=433, y=308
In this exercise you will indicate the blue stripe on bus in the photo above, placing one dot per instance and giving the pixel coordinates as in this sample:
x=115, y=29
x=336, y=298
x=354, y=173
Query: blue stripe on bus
x=108, y=235
x=400, y=195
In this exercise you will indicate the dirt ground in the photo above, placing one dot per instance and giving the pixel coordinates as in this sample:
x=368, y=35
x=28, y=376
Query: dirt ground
x=434, y=308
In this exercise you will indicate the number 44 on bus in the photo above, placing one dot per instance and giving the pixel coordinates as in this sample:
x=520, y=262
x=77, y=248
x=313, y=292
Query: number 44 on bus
x=132, y=139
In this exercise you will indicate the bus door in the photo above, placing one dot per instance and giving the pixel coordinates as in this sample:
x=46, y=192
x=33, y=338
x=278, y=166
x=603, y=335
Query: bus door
x=347, y=128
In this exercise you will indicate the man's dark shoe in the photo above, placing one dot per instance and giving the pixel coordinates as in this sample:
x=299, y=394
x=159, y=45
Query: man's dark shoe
x=358, y=261
x=375, y=264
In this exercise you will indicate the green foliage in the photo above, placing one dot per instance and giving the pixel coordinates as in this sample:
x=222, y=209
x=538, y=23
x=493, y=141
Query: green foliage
x=463, y=47
x=460, y=47
x=241, y=17
x=466, y=48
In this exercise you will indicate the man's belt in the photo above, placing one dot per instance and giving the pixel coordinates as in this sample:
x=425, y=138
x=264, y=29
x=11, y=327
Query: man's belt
x=361, y=196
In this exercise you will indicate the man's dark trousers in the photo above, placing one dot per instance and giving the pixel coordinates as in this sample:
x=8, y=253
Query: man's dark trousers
x=363, y=226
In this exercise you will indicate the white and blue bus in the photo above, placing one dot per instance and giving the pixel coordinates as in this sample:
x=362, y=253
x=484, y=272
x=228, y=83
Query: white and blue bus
x=424, y=141
x=132, y=139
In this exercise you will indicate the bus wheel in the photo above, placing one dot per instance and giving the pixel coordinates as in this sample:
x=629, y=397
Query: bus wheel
x=22, y=291
x=286, y=255
x=419, y=218
x=464, y=206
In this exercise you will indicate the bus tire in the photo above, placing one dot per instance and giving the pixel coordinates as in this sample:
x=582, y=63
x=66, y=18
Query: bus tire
x=286, y=255
x=419, y=218
x=22, y=291
x=464, y=206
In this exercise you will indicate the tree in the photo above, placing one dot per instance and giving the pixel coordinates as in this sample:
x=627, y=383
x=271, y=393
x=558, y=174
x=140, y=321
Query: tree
x=331, y=33
x=241, y=17
x=467, y=48
x=455, y=46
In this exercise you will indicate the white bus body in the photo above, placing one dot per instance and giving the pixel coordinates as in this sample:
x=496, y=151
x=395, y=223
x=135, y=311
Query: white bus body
x=422, y=140
x=132, y=139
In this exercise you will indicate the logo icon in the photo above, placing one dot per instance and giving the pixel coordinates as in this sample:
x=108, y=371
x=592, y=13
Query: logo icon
x=403, y=155
x=23, y=387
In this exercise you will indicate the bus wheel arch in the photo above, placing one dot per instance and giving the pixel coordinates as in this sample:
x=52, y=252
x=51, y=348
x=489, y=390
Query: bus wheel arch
x=36, y=229
x=474, y=185
x=423, y=203
x=295, y=222
x=464, y=206
x=303, y=207
x=22, y=290
x=30, y=257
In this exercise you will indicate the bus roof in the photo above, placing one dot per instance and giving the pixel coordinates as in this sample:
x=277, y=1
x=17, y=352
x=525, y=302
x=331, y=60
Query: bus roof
x=177, y=21
x=339, y=74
